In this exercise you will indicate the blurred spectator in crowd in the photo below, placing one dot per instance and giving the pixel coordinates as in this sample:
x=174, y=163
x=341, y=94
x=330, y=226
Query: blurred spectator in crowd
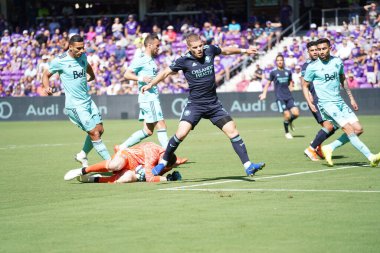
x=91, y=34
x=219, y=70
x=31, y=71
x=371, y=13
x=117, y=29
x=131, y=28
x=170, y=35
x=207, y=33
x=352, y=82
x=370, y=70
x=258, y=31
x=344, y=51
x=296, y=78
x=234, y=27
x=6, y=39
x=120, y=52
x=249, y=36
x=100, y=31
x=53, y=25
x=312, y=33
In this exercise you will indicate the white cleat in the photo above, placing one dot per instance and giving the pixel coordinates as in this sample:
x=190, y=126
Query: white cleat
x=288, y=136
x=81, y=159
x=71, y=174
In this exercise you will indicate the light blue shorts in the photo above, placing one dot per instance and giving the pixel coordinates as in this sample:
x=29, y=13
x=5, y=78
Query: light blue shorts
x=339, y=113
x=85, y=117
x=151, y=111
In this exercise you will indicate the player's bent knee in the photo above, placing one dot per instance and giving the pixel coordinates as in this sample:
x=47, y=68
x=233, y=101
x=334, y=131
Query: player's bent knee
x=223, y=121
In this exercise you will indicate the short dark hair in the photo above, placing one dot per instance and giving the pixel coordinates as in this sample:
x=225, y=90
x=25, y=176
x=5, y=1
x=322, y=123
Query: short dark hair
x=280, y=55
x=311, y=44
x=150, y=38
x=75, y=38
x=323, y=40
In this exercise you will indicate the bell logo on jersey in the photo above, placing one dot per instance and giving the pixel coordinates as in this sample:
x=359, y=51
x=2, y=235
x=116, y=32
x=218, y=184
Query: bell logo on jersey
x=79, y=74
x=331, y=77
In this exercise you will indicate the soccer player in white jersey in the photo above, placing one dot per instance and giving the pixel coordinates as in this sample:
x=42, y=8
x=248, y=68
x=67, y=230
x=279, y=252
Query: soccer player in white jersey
x=74, y=72
x=327, y=75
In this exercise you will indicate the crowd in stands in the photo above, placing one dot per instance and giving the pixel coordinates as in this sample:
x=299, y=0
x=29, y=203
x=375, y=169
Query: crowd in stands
x=111, y=44
x=357, y=45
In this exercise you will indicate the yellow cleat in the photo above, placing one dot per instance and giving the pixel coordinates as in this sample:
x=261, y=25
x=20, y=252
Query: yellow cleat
x=374, y=160
x=327, y=152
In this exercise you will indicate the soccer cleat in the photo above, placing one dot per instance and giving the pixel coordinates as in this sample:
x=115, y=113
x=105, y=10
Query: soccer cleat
x=176, y=176
x=309, y=152
x=327, y=152
x=288, y=136
x=318, y=150
x=374, y=160
x=253, y=168
x=88, y=178
x=158, y=169
x=71, y=174
x=81, y=159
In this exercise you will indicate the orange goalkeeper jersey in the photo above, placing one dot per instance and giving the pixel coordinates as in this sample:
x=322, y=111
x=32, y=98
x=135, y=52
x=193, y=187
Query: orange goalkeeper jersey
x=147, y=154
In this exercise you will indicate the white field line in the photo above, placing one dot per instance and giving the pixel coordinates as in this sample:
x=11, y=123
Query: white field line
x=273, y=190
x=258, y=178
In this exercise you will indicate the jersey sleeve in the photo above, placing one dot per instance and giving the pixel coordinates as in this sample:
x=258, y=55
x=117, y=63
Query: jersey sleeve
x=309, y=74
x=135, y=66
x=216, y=49
x=178, y=64
x=303, y=70
x=55, y=66
x=271, y=76
x=341, y=67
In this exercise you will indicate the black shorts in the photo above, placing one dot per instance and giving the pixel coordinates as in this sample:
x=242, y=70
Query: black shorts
x=193, y=113
x=317, y=115
x=285, y=104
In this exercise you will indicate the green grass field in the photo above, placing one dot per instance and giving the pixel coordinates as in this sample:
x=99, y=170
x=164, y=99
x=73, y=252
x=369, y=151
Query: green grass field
x=293, y=205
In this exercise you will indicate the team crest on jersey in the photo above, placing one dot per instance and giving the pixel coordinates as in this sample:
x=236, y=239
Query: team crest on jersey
x=194, y=64
x=187, y=113
x=278, y=74
x=286, y=73
x=207, y=59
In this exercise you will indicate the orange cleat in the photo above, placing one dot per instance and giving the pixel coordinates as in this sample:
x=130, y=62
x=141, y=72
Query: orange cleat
x=319, y=152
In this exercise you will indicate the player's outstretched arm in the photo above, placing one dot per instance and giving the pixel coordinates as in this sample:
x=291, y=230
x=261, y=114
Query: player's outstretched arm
x=91, y=73
x=235, y=50
x=344, y=84
x=45, y=82
x=306, y=94
x=263, y=95
x=160, y=76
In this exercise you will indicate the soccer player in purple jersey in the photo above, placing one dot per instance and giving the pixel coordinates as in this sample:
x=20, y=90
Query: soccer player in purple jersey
x=198, y=67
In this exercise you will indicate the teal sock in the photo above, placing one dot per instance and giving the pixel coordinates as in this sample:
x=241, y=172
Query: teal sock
x=359, y=145
x=162, y=137
x=87, y=146
x=135, y=138
x=343, y=139
x=101, y=149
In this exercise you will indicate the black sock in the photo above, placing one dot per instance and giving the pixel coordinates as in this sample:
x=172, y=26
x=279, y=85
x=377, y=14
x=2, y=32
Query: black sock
x=171, y=147
x=240, y=149
x=286, y=126
x=84, y=171
x=322, y=135
x=292, y=118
